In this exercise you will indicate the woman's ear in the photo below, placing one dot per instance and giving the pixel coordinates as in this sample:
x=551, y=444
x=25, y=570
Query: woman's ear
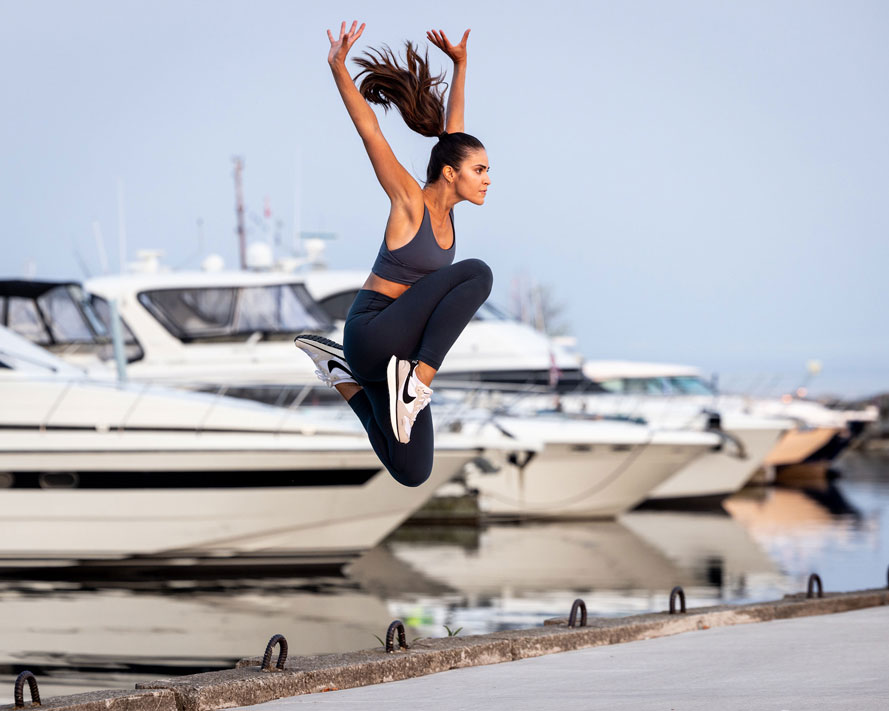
x=448, y=173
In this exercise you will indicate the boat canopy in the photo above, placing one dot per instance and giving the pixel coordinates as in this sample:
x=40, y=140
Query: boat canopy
x=58, y=315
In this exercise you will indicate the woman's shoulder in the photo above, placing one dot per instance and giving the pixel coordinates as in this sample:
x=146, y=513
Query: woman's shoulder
x=405, y=220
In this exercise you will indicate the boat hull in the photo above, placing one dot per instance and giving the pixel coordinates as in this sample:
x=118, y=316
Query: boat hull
x=715, y=475
x=584, y=470
x=109, y=497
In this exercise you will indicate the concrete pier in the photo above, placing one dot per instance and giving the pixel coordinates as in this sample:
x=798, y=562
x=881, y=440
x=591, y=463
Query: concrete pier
x=828, y=662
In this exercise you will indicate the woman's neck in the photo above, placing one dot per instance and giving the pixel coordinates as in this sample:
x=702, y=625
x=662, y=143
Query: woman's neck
x=440, y=196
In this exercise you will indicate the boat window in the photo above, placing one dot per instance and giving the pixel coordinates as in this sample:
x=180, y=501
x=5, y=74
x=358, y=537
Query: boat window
x=691, y=385
x=613, y=385
x=64, y=316
x=675, y=385
x=235, y=313
x=21, y=315
x=337, y=306
x=645, y=386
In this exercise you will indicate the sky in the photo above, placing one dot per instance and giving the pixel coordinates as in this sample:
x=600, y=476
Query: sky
x=695, y=182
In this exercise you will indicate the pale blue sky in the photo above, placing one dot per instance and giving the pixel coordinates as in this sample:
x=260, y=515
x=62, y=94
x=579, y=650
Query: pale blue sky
x=700, y=182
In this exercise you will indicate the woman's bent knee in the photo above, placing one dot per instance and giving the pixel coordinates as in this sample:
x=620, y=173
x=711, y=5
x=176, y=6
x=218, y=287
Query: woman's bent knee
x=480, y=271
x=411, y=476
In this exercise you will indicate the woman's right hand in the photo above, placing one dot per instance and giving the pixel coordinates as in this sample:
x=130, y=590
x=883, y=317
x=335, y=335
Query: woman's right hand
x=340, y=47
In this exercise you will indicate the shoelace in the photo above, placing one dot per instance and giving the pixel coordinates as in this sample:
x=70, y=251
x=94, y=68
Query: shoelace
x=423, y=398
x=324, y=377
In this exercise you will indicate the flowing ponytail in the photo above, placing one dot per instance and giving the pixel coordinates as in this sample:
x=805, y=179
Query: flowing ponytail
x=419, y=98
x=411, y=89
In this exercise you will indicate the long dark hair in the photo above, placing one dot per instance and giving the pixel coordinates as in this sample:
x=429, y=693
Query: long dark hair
x=419, y=98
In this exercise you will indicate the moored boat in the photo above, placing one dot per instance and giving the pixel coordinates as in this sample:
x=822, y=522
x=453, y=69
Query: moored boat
x=103, y=471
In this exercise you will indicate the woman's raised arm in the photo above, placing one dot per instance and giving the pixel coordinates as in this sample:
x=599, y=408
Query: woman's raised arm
x=399, y=185
x=457, y=53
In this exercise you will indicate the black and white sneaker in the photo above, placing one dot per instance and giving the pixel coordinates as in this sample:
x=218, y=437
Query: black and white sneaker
x=328, y=357
x=408, y=395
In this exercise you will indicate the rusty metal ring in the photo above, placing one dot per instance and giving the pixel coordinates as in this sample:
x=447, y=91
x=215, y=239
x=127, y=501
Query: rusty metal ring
x=278, y=639
x=572, y=618
x=673, y=593
x=390, y=636
x=814, y=579
x=20, y=689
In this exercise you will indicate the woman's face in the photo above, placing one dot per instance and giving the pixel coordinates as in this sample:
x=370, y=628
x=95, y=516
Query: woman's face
x=472, y=180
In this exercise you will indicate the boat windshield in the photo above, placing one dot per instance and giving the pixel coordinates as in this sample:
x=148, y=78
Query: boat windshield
x=235, y=313
x=489, y=312
x=337, y=308
x=59, y=317
x=666, y=385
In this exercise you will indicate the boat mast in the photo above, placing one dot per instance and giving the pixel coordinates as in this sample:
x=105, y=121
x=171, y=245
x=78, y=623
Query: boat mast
x=239, y=211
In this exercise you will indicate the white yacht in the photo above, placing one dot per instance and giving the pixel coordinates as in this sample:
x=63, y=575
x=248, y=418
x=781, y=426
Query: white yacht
x=103, y=471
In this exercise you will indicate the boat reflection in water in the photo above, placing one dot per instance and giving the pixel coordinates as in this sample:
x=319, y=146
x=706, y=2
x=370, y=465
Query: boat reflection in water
x=520, y=575
x=85, y=636
x=839, y=531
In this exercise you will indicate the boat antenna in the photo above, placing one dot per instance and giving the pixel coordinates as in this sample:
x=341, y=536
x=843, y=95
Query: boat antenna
x=239, y=211
x=81, y=263
x=100, y=246
x=121, y=227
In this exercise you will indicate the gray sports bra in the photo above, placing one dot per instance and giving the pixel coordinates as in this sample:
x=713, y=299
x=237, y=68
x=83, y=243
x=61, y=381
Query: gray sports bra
x=419, y=257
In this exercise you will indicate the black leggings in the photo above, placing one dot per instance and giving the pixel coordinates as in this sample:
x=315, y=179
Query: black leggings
x=421, y=324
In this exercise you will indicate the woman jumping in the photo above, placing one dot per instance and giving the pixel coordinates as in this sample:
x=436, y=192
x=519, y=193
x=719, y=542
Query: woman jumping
x=416, y=301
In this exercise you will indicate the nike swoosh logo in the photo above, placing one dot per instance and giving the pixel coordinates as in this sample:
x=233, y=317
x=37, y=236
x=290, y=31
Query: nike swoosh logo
x=332, y=364
x=408, y=399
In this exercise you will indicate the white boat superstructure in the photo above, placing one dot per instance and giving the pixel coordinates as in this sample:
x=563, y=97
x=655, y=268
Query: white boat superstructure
x=235, y=329
x=105, y=471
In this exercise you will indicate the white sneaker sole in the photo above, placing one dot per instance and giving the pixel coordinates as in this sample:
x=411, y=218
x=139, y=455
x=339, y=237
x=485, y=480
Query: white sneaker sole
x=392, y=381
x=321, y=344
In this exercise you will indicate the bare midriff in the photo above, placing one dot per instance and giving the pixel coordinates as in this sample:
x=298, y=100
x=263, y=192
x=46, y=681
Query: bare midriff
x=392, y=289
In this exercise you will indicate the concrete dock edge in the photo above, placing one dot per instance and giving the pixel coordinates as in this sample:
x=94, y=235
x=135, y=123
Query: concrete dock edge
x=247, y=684
x=119, y=700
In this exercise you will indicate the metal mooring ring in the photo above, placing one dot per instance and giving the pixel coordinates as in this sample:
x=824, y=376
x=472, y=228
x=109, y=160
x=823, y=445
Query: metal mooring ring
x=572, y=619
x=673, y=593
x=390, y=636
x=814, y=579
x=20, y=690
x=278, y=639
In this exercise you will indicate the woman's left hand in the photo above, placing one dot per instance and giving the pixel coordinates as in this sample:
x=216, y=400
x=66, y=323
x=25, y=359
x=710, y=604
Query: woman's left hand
x=457, y=52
